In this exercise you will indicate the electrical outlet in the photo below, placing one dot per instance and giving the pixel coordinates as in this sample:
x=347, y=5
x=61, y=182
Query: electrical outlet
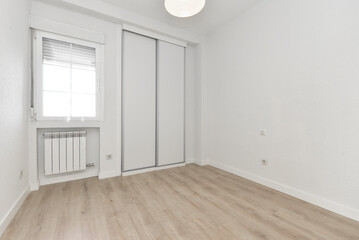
x=109, y=157
x=21, y=174
x=262, y=132
x=88, y=165
x=264, y=162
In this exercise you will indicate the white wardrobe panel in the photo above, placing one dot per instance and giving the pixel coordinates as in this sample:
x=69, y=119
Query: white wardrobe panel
x=170, y=103
x=138, y=102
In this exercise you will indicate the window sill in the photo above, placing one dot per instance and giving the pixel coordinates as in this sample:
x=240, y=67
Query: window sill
x=66, y=124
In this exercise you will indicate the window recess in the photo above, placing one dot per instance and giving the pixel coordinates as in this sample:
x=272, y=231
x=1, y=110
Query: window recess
x=67, y=79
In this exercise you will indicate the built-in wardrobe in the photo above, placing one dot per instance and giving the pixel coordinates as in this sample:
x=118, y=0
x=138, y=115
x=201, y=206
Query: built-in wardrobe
x=153, y=79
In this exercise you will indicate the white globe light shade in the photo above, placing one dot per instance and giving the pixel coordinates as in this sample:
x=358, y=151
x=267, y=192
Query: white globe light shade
x=184, y=8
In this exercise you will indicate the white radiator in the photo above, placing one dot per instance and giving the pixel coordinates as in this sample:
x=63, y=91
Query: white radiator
x=65, y=152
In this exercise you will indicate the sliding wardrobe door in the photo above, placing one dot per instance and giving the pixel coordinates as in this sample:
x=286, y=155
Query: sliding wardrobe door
x=138, y=102
x=170, y=103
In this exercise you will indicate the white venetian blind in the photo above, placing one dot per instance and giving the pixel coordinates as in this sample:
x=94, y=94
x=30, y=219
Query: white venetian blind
x=69, y=85
x=68, y=54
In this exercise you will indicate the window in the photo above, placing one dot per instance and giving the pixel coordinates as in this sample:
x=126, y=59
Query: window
x=67, y=78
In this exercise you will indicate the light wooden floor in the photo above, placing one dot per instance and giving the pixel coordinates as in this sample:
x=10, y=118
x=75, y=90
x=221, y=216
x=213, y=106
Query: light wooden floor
x=190, y=202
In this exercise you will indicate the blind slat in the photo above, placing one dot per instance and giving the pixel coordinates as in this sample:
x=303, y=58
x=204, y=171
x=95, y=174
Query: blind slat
x=64, y=53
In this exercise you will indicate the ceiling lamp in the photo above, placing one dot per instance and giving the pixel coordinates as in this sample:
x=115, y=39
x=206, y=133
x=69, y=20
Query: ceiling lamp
x=184, y=8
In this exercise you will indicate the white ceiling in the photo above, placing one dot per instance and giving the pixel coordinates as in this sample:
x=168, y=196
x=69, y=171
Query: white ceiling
x=215, y=14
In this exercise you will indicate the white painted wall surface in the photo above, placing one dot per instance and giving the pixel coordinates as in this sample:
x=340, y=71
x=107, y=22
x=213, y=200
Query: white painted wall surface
x=290, y=67
x=193, y=95
x=190, y=100
x=14, y=64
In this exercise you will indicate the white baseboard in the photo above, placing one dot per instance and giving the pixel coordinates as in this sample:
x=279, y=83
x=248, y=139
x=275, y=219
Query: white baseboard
x=190, y=160
x=109, y=174
x=202, y=162
x=152, y=169
x=318, y=201
x=68, y=177
x=197, y=161
x=13, y=210
x=34, y=186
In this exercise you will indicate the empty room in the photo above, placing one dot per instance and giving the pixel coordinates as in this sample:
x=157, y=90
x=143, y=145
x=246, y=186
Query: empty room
x=179, y=119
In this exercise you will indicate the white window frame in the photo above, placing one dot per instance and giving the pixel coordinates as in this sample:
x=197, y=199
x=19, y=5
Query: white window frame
x=38, y=81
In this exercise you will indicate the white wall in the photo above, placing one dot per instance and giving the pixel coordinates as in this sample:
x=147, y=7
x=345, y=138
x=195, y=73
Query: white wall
x=190, y=107
x=14, y=59
x=290, y=67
